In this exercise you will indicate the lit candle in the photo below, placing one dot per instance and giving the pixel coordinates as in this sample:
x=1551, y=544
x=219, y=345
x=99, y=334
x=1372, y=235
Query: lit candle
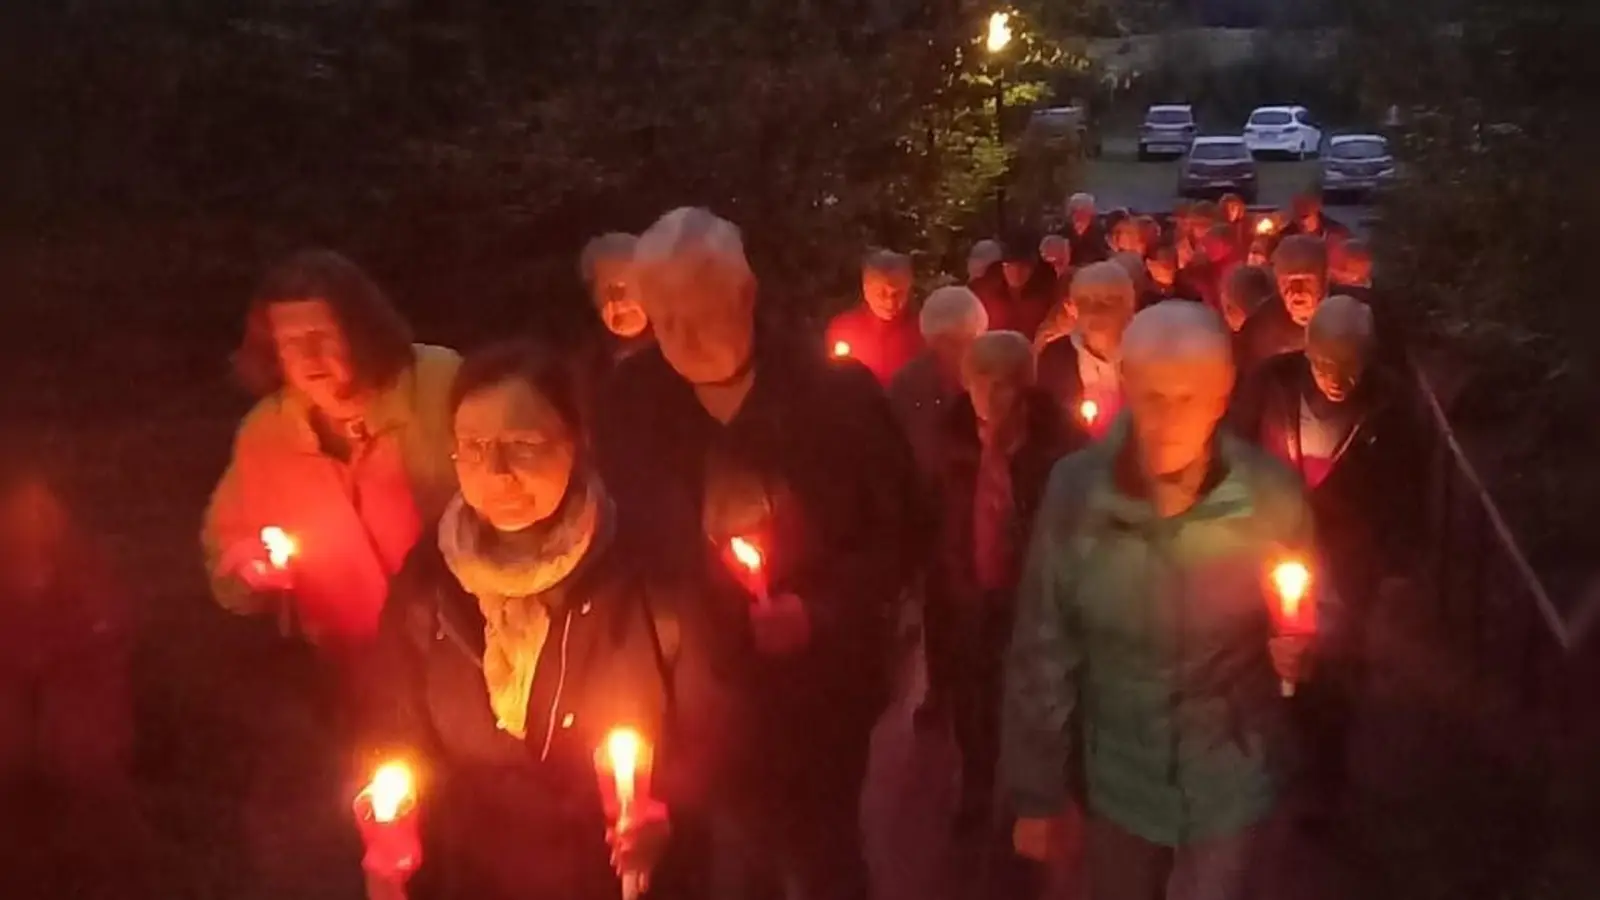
x=1291, y=580
x=841, y=349
x=1266, y=226
x=279, y=545
x=748, y=556
x=623, y=764
x=1089, y=411
x=386, y=814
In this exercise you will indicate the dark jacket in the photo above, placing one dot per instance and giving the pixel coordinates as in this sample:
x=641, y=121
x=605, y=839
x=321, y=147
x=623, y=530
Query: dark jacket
x=1327, y=229
x=920, y=396
x=1017, y=310
x=1267, y=333
x=1180, y=290
x=511, y=818
x=814, y=464
x=1047, y=438
x=1089, y=247
x=1058, y=378
x=1366, y=507
x=883, y=347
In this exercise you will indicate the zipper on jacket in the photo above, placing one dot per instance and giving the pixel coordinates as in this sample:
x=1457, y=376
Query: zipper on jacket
x=561, y=681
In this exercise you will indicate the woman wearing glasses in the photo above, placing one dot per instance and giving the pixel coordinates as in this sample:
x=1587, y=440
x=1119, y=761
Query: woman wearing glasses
x=526, y=637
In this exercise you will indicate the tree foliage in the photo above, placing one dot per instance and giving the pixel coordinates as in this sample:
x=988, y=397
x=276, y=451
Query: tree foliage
x=1487, y=237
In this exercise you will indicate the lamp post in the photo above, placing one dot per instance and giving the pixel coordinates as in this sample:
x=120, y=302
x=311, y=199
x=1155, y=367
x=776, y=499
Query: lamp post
x=996, y=40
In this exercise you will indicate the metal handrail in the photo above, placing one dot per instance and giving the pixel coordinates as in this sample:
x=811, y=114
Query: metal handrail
x=1567, y=635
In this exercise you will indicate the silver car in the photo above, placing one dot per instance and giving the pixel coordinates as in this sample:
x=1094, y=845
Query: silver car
x=1356, y=165
x=1168, y=130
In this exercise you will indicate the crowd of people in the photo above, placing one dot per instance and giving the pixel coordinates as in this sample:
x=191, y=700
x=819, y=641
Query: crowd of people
x=1079, y=466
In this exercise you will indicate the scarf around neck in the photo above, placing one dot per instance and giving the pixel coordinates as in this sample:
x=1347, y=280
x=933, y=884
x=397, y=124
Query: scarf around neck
x=512, y=576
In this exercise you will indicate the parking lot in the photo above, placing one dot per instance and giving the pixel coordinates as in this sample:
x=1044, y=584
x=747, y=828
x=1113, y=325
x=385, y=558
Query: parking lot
x=1117, y=178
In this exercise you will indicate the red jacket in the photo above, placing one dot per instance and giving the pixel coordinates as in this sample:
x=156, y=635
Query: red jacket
x=883, y=347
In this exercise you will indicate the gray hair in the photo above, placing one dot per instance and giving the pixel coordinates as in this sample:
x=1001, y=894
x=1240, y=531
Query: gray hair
x=1080, y=200
x=1342, y=318
x=1104, y=280
x=987, y=248
x=887, y=262
x=999, y=353
x=697, y=240
x=613, y=247
x=1177, y=330
x=1054, y=241
x=1301, y=254
x=952, y=310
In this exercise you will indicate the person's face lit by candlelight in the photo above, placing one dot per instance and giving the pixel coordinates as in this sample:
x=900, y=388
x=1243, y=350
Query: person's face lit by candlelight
x=997, y=370
x=1301, y=266
x=606, y=266
x=1163, y=267
x=1017, y=272
x=1338, y=343
x=313, y=353
x=514, y=453
x=1104, y=296
x=1177, y=373
x=1056, y=251
x=700, y=294
x=1081, y=212
x=886, y=285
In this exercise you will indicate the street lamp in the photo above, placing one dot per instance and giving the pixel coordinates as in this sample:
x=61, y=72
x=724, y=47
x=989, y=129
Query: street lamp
x=996, y=40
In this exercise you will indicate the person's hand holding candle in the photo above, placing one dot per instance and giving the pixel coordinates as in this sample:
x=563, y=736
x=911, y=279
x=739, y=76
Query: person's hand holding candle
x=779, y=625
x=640, y=827
x=1295, y=619
x=265, y=564
x=386, y=812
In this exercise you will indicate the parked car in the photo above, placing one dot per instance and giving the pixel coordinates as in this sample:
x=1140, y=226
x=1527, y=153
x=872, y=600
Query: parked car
x=1070, y=120
x=1283, y=129
x=1356, y=165
x=1168, y=129
x=1216, y=165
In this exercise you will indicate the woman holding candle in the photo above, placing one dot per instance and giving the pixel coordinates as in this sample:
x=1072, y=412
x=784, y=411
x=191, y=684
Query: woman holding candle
x=346, y=453
x=526, y=637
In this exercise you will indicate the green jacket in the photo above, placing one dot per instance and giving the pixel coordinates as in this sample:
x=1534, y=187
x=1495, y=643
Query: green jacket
x=1139, y=663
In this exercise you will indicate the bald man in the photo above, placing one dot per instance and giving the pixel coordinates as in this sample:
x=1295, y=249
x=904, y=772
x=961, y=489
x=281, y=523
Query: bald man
x=1080, y=371
x=1145, y=655
x=720, y=433
x=1346, y=426
x=998, y=442
x=880, y=332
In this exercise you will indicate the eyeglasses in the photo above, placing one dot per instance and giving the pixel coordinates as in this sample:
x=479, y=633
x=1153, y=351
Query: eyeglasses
x=513, y=454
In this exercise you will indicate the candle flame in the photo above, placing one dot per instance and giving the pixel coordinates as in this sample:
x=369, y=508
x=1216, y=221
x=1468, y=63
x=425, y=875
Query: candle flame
x=999, y=31
x=746, y=553
x=841, y=349
x=280, y=546
x=1266, y=226
x=1292, y=580
x=624, y=746
x=391, y=790
x=1089, y=410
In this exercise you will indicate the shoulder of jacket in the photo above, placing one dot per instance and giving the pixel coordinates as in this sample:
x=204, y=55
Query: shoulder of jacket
x=268, y=426
x=435, y=366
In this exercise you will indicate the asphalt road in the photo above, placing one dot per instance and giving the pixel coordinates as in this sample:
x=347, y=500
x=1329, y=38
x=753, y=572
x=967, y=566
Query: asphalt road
x=1118, y=179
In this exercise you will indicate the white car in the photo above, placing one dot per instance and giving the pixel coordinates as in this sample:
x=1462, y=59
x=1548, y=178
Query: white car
x=1283, y=129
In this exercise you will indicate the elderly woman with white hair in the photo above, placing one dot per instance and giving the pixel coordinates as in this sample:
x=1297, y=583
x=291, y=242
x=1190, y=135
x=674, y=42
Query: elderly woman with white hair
x=952, y=318
x=1081, y=371
x=1142, y=699
x=881, y=332
x=998, y=443
x=726, y=438
x=1084, y=232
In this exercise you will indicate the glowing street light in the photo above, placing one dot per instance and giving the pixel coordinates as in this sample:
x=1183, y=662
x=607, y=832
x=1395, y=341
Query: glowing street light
x=999, y=35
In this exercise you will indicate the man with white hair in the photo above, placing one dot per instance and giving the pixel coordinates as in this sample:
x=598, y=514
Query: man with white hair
x=1145, y=658
x=1084, y=231
x=983, y=257
x=952, y=318
x=998, y=443
x=880, y=333
x=1081, y=371
x=723, y=438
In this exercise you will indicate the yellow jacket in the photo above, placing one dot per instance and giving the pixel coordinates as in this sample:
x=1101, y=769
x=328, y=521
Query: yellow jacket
x=353, y=523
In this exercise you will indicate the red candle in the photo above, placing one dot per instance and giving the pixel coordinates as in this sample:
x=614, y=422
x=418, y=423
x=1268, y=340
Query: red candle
x=623, y=763
x=1291, y=581
x=386, y=814
x=748, y=557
